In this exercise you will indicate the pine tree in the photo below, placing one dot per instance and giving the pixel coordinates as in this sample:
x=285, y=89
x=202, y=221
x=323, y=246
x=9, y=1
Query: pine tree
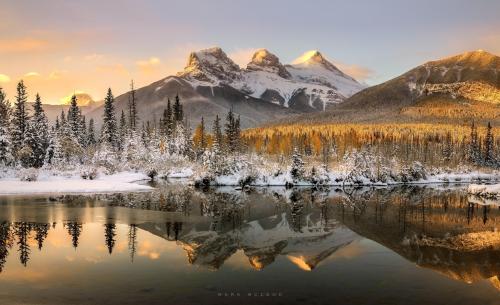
x=178, y=112
x=489, y=158
x=19, y=118
x=230, y=130
x=73, y=118
x=217, y=133
x=5, y=140
x=91, y=140
x=297, y=170
x=37, y=137
x=109, y=134
x=122, y=131
x=133, y=117
x=474, y=151
x=167, y=120
x=83, y=132
x=109, y=236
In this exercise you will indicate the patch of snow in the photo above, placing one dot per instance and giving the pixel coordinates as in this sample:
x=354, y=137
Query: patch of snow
x=120, y=182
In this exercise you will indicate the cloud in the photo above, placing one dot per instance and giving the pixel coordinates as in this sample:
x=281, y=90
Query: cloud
x=149, y=65
x=242, y=56
x=20, y=45
x=114, y=68
x=4, y=78
x=358, y=72
x=93, y=57
x=32, y=74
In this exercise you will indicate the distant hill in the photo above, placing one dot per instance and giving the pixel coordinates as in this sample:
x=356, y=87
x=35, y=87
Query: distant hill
x=456, y=89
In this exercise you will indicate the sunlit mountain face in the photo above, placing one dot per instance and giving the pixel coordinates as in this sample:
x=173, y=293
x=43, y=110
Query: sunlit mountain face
x=246, y=241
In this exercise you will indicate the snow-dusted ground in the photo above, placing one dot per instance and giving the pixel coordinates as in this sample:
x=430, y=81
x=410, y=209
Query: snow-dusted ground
x=48, y=184
x=338, y=179
x=490, y=193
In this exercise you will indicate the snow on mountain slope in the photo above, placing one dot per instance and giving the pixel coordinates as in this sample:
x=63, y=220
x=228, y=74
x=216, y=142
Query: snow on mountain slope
x=313, y=68
x=306, y=86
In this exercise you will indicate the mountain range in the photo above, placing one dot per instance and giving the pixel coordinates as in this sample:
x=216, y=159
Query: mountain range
x=456, y=89
x=266, y=90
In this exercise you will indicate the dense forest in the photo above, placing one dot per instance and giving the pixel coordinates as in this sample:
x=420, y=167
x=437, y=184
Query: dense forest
x=124, y=142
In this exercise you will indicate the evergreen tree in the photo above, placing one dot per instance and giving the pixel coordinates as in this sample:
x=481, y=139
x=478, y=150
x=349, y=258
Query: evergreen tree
x=231, y=132
x=5, y=140
x=91, y=140
x=63, y=118
x=297, y=170
x=489, y=158
x=74, y=230
x=178, y=112
x=36, y=139
x=41, y=233
x=474, y=151
x=217, y=133
x=133, y=117
x=73, y=117
x=109, y=235
x=22, y=230
x=83, y=139
x=19, y=118
x=122, y=131
x=168, y=120
x=132, y=241
x=109, y=133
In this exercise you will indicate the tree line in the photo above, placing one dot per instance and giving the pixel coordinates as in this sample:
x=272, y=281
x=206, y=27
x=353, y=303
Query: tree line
x=28, y=139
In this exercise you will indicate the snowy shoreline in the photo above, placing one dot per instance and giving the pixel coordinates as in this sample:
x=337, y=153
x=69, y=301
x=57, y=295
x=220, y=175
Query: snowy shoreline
x=120, y=182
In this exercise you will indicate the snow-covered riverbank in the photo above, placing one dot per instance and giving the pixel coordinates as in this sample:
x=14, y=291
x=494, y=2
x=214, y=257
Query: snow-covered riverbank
x=49, y=184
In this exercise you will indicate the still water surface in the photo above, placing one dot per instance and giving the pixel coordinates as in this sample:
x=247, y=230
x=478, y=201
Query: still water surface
x=178, y=245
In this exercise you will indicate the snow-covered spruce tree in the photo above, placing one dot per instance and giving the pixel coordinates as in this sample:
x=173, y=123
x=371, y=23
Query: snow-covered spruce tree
x=64, y=149
x=297, y=169
x=133, y=114
x=489, y=151
x=108, y=144
x=82, y=139
x=168, y=120
x=122, y=131
x=5, y=141
x=19, y=119
x=217, y=134
x=36, y=139
x=91, y=140
x=230, y=131
x=74, y=119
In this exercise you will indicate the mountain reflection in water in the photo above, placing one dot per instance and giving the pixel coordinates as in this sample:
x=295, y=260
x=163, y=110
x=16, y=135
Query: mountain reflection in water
x=442, y=230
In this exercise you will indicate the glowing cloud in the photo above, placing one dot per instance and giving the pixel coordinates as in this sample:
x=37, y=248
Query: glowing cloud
x=148, y=66
x=4, y=78
x=32, y=74
x=22, y=45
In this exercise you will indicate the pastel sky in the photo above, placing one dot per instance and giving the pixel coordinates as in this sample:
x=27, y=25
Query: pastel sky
x=59, y=47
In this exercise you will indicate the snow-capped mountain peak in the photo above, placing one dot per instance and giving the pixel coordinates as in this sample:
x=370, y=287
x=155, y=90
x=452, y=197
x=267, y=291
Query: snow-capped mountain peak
x=308, y=85
x=210, y=65
x=263, y=60
x=312, y=67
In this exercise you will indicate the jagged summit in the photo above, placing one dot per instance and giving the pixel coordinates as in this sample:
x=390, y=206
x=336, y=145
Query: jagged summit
x=210, y=65
x=263, y=60
x=314, y=58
